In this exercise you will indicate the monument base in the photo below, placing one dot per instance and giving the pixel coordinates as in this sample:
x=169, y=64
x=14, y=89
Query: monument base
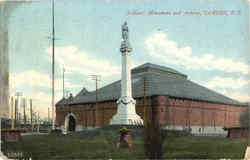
x=126, y=115
x=126, y=120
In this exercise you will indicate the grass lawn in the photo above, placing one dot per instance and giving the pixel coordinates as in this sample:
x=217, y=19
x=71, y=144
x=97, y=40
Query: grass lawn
x=102, y=146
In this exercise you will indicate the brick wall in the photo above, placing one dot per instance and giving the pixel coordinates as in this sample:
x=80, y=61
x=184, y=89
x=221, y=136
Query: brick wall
x=187, y=112
x=167, y=110
x=104, y=113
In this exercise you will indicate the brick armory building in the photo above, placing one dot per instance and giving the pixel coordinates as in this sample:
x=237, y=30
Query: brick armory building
x=171, y=98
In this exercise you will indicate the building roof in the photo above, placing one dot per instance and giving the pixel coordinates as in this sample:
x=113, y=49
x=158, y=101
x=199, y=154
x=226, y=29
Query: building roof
x=159, y=80
x=62, y=101
x=83, y=92
x=157, y=68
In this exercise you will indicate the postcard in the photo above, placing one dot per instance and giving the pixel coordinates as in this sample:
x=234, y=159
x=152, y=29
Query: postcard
x=124, y=79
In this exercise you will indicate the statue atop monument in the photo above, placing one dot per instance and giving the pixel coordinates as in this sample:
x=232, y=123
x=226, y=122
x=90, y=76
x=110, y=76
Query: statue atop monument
x=125, y=31
x=125, y=46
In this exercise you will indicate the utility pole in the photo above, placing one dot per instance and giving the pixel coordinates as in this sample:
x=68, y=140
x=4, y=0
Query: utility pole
x=31, y=114
x=63, y=81
x=19, y=118
x=18, y=94
x=53, y=115
x=35, y=121
x=144, y=101
x=12, y=111
x=38, y=122
x=53, y=67
x=48, y=115
x=24, y=111
x=97, y=78
x=15, y=112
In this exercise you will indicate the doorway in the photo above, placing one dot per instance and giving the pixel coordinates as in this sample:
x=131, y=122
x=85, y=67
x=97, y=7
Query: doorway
x=72, y=124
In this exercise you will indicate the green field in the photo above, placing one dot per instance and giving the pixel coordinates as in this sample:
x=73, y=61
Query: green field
x=102, y=145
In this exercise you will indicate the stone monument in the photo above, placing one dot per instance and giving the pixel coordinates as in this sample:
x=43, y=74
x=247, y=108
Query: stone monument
x=126, y=114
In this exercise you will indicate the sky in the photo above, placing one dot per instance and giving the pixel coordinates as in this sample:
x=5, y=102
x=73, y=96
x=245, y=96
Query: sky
x=208, y=40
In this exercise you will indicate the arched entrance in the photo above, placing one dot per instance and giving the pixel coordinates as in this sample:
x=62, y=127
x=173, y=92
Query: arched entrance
x=70, y=123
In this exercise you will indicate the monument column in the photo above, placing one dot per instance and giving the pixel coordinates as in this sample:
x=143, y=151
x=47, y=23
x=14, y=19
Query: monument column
x=126, y=114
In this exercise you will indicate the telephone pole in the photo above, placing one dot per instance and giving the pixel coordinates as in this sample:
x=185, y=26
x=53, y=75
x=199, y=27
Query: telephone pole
x=144, y=102
x=38, y=122
x=63, y=81
x=15, y=112
x=48, y=115
x=24, y=111
x=31, y=114
x=97, y=78
x=12, y=111
x=18, y=94
x=53, y=67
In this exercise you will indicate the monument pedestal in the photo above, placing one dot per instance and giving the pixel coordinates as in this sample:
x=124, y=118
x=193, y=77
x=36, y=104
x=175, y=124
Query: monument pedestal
x=121, y=119
x=126, y=114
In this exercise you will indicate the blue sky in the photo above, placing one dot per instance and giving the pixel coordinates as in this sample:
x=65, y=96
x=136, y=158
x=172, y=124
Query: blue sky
x=211, y=49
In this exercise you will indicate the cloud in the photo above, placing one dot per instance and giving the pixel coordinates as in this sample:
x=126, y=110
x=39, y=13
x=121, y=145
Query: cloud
x=37, y=79
x=242, y=97
x=239, y=96
x=41, y=101
x=84, y=62
x=228, y=86
x=32, y=78
x=160, y=47
x=248, y=1
x=226, y=82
